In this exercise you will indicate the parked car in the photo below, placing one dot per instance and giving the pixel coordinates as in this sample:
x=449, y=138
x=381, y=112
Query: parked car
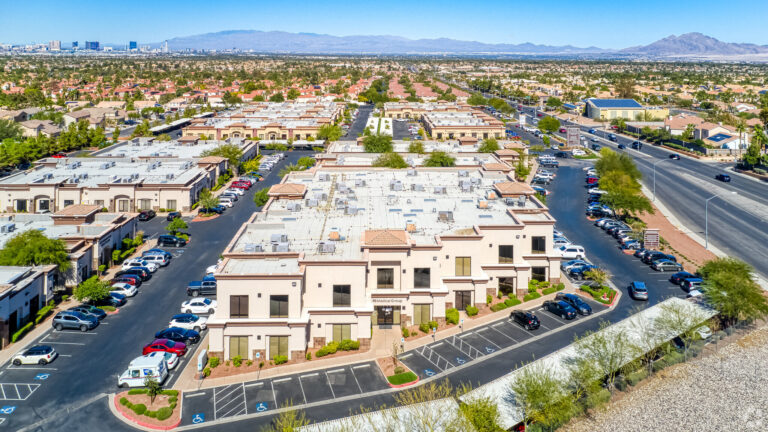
x=638, y=291
x=235, y=191
x=691, y=284
x=37, y=355
x=74, y=320
x=572, y=252
x=141, y=272
x=87, y=309
x=562, y=241
x=580, y=272
x=217, y=210
x=188, y=321
x=173, y=215
x=656, y=255
x=679, y=277
x=165, y=345
x=576, y=302
x=124, y=289
x=146, y=215
x=156, y=251
x=157, y=259
x=723, y=177
x=207, y=286
x=110, y=300
x=139, y=262
x=567, y=265
x=560, y=308
x=171, y=359
x=528, y=320
x=199, y=305
x=674, y=156
x=172, y=241
x=666, y=265
x=178, y=334
x=225, y=202
x=117, y=299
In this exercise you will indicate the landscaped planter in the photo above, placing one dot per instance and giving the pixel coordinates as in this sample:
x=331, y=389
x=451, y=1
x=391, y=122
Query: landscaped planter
x=398, y=374
x=163, y=414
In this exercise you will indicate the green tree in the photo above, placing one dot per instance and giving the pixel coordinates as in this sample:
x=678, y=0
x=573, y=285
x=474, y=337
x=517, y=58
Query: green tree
x=390, y=160
x=231, y=98
x=32, y=248
x=542, y=396
x=92, y=288
x=687, y=134
x=476, y=99
x=9, y=129
x=489, y=145
x=730, y=287
x=329, y=132
x=261, y=197
x=549, y=124
x=153, y=388
x=116, y=134
x=608, y=350
x=231, y=152
x=293, y=94
x=416, y=147
x=377, y=144
x=277, y=97
x=500, y=105
x=483, y=414
x=306, y=162
x=625, y=87
x=554, y=102
x=176, y=225
x=439, y=159
x=206, y=199
x=620, y=124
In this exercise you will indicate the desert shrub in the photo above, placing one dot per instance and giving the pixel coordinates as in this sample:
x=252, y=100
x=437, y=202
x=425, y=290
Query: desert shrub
x=139, y=409
x=207, y=372
x=597, y=398
x=489, y=298
x=424, y=327
x=237, y=361
x=399, y=370
x=499, y=306
x=164, y=412
x=635, y=377
x=137, y=391
x=405, y=331
x=560, y=286
x=22, y=331
x=280, y=359
x=549, y=290
x=123, y=401
x=531, y=296
x=213, y=362
x=472, y=311
x=452, y=316
x=308, y=355
x=514, y=301
x=349, y=345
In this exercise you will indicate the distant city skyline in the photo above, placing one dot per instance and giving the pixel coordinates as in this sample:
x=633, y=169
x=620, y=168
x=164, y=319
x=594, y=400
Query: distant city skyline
x=598, y=23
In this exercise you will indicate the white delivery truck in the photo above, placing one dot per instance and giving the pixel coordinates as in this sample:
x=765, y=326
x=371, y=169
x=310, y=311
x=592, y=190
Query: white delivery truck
x=142, y=368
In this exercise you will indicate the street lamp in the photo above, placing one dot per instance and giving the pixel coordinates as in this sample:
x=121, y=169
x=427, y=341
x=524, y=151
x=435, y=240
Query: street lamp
x=654, y=176
x=706, y=218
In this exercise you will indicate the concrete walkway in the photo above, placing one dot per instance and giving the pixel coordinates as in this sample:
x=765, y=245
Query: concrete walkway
x=381, y=346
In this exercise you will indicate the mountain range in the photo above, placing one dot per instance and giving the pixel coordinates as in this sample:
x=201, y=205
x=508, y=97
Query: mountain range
x=689, y=44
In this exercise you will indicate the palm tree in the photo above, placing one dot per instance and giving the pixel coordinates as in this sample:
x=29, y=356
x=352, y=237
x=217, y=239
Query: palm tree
x=741, y=127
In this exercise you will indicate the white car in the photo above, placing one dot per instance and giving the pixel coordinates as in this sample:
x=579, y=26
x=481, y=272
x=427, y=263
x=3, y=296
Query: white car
x=704, y=332
x=572, y=252
x=577, y=152
x=199, y=305
x=235, y=191
x=212, y=269
x=38, y=354
x=124, y=289
x=225, y=202
x=188, y=321
x=140, y=263
x=559, y=242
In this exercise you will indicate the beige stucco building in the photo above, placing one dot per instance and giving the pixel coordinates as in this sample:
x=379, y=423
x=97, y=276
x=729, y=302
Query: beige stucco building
x=338, y=252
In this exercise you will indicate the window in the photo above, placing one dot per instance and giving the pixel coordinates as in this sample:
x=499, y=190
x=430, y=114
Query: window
x=341, y=295
x=463, y=266
x=170, y=204
x=539, y=273
x=538, y=245
x=421, y=278
x=342, y=332
x=278, y=306
x=421, y=313
x=68, y=203
x=238, y=306
x=385, y=278
x=44, y=204
x=99, y=203
x=21, y=205
x=278, y=345
x=123, y=205
x=144, y=204
x=505, y=254
x=238, y=346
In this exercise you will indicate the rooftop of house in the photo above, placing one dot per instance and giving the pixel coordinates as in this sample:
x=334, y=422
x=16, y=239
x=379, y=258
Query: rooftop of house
x=184, y=148
x=345, y=208
x=92, y=172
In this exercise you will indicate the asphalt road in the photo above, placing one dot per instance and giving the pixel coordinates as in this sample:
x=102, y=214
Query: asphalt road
x=737, y=222
x=70, y=392
x=357, y=127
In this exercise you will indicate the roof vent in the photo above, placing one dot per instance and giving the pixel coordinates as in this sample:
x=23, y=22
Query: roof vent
x=463, y=173
x=482, y=204
x=293, y=206
x=280, y=247
x=253, y=248
x=410, y=226
x=445, y=216
x=278, y=238
x=412, y=172
x=311, y=203
x=326, y=247
x=440, y=190
x=359, y=182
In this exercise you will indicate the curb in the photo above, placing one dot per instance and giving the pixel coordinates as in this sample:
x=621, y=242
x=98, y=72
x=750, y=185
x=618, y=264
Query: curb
x=397, y=386
x=118, y=407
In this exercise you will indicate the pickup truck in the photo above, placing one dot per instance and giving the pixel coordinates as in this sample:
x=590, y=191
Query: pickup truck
x=207, y=286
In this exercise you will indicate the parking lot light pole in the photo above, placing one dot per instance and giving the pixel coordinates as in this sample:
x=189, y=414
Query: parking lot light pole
x=706, y=218
x=654, y=176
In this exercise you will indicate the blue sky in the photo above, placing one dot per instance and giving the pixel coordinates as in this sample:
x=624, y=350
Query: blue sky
x=603, y=23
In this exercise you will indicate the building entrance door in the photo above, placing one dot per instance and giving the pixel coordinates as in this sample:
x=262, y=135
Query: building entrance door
x=385, y=315
x=463, y=299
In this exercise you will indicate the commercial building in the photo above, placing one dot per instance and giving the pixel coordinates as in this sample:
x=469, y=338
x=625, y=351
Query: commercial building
x=414, y=110
x=118, y=184
x=463, y=124
x=54, y=45
x=92, y=45
x=132, y=45
x=268, y=121
x=337, y=253
x=629, y=109
x=89, y=234
x=23, y=292
x=183, y=148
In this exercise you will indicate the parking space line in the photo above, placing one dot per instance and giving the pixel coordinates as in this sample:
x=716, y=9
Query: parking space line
x=233, y=409
x=355, y=377
x=361, y=366
x=502, y=333
x=328, y=380
x=281, y=380
x=195, y=394
x=335, y=370
x=492, y=343
x=16, y=387
x=31, y=368
x=309, y=375
x=225, y=389
x=302, y=390
x=461, y=345
x=274, y=398
x=526, y=331
x=254, y=384
x=65, y=355
x=405, y=356
x=2, y=387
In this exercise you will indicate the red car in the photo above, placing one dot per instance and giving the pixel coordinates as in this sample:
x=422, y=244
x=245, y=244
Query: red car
x=129, y=279
x=241, y=185
x=539, y=115
x=59, y=155
x=165, y=345
x=562, y=130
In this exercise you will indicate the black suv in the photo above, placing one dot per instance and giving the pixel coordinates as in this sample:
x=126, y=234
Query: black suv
x=576, y=302
x=528, y=320
x=723, y=178
x=146, y=215
x=169, y=240
x=173, y=215
x=145, y=275
x=654, y=256
x=560, y=308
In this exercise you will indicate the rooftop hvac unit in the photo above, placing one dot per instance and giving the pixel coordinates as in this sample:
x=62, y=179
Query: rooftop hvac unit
x=445, y=216
x=7, y=228
x=311, y=203
x=154, y=154
x=417, y=187
x=321, y=196
x=75, y=180
x=341, y=187
x=327, y=247
x=463, y=173
x=48, y=176
x=466, y=186
x=509, y=201
x=440, y=190
x=280, y=247
x=482, y=204
x=391, y=199
x=475, y=180
x=253, y=248
x=341, y=203
x=105, y=165
x=411, y=172
x=278, y=238
x=395, y=185
x=324, y=177
x=521, y=201
x=359, y=182
x=168, y=176
x=351, y=210
x=293, y=206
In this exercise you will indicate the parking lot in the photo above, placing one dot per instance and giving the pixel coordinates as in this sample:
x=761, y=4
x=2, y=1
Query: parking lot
x=262, y=396
x=472, y=345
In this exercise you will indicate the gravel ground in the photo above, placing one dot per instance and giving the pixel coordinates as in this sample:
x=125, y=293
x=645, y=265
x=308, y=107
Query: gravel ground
x=725, y=390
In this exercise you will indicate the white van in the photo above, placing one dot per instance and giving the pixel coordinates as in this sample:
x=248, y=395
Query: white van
x=142, y=368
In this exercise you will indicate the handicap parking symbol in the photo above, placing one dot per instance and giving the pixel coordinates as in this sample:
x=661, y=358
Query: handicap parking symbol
x=489, y=350
x=198, y=418
x=261, y=407
x=460, y=360
x=429, y=372
x=42, y=376
x=8, y=409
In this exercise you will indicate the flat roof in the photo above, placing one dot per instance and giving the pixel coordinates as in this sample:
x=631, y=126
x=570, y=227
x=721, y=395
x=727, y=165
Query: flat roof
x=413, y=159
x=92, y=172
x=285, y=114
x=460, y=118
x=44, y=223
x=340, y=205
x=147, y=148
x=12, y=274
x=400, y=146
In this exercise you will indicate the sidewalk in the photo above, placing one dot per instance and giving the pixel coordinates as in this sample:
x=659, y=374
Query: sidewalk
x=381, y=346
